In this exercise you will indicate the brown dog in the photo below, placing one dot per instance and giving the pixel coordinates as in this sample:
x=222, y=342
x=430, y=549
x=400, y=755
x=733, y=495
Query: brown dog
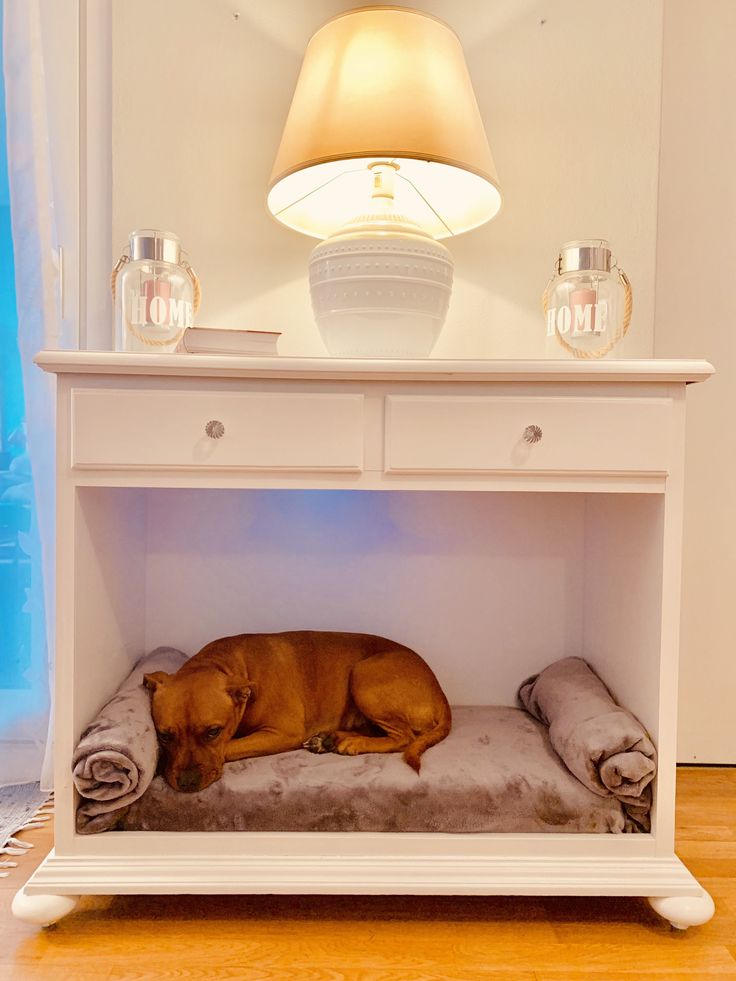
x=257, y=694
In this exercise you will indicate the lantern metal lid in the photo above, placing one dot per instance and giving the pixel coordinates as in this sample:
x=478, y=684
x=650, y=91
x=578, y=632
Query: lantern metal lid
x=149, y=243
x=586, y=255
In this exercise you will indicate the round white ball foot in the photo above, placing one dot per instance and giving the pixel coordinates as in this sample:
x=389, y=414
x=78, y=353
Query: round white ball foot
x=42, y=910
x=684, y=911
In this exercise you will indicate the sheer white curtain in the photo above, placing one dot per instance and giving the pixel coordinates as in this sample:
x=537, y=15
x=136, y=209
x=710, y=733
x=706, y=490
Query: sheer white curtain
x=26, y=752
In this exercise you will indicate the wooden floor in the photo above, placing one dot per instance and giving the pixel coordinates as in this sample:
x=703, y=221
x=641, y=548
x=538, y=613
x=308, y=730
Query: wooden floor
x=395, y=938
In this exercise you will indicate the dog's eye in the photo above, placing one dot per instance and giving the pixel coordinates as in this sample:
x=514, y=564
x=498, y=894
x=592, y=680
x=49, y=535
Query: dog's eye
x=212, y=733
x=165, y=737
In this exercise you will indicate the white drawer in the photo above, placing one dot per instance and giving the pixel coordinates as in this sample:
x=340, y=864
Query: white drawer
x=262, y=431
x=465, y=434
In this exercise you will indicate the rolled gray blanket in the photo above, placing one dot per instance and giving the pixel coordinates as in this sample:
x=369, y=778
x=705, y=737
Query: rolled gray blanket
x=117, y=754
x=603, y=744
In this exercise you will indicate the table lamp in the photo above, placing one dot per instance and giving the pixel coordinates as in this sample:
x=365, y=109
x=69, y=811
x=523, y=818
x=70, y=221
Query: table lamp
x=383, y=154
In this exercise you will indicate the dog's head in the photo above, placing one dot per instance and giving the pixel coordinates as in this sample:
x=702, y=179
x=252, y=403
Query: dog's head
x=195, y=715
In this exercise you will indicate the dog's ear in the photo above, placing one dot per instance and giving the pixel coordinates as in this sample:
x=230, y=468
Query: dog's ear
x=243, y=692
x=152, y=681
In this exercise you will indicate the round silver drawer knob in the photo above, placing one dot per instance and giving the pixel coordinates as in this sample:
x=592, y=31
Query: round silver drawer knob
x=532, y=434
x=214, y=429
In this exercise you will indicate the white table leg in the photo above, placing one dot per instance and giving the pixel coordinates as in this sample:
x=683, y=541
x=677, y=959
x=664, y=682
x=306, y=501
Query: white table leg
x=42, y=910
x=684, y=911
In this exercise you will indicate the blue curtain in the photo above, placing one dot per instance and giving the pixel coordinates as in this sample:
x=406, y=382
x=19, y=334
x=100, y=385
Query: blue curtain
x=22, y=619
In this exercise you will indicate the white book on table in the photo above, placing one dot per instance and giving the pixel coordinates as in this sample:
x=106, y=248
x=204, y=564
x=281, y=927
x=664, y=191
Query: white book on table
x=217, y=340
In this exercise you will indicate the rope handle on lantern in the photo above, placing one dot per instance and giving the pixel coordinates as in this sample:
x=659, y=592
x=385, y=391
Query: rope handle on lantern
x=621, y=332
x=196, y=299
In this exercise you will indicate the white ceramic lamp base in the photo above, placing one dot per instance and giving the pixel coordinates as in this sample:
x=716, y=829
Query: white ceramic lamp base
x=380, y=288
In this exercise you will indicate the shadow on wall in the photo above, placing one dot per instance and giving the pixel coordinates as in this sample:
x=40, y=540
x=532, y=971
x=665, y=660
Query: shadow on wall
x=435, y=571
x=336, y=522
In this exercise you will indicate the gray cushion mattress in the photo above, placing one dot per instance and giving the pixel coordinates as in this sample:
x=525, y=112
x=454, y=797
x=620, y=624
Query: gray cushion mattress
x=495, y=772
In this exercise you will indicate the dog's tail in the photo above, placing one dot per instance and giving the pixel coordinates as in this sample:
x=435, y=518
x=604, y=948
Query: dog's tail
x=413, y=752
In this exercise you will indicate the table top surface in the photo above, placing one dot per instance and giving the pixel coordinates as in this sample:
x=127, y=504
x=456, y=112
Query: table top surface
x=326, y=368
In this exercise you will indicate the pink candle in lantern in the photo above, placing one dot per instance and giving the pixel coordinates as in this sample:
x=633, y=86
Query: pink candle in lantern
x=583, y=321
x=153, y=288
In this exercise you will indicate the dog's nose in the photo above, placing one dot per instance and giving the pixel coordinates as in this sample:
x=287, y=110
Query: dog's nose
x=189, y=779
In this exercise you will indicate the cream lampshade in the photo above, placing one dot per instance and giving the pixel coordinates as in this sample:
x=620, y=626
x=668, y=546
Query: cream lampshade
x=383, y=154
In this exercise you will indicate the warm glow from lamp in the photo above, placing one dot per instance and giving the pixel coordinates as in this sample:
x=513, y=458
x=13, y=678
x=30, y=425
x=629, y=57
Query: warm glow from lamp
x=442, y=199
x=384, y=85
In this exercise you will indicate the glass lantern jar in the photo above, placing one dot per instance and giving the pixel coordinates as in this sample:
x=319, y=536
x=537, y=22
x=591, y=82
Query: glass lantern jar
x=156, y=293
x=588, y=301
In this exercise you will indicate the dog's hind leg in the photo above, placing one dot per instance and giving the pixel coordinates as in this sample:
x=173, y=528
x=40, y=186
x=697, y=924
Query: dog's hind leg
x=353, y=743
x=375, y=696
x=396, y=691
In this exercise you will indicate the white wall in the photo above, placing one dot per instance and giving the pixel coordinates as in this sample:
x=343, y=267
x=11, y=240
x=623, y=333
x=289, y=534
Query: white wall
x=488, y=587
x=570, y=95
x=695, y=317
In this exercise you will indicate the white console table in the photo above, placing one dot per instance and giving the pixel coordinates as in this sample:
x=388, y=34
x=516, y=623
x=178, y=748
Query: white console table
x=149, y=499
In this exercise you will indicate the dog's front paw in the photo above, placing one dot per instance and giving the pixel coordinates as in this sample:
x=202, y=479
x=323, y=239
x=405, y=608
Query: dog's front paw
x=320, y=742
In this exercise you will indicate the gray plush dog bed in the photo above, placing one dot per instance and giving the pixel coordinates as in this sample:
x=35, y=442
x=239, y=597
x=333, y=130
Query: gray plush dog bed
x=570, y=760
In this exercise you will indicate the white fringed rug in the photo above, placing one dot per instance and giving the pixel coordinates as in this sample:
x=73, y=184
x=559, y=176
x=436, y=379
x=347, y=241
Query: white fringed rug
x=22, y=805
